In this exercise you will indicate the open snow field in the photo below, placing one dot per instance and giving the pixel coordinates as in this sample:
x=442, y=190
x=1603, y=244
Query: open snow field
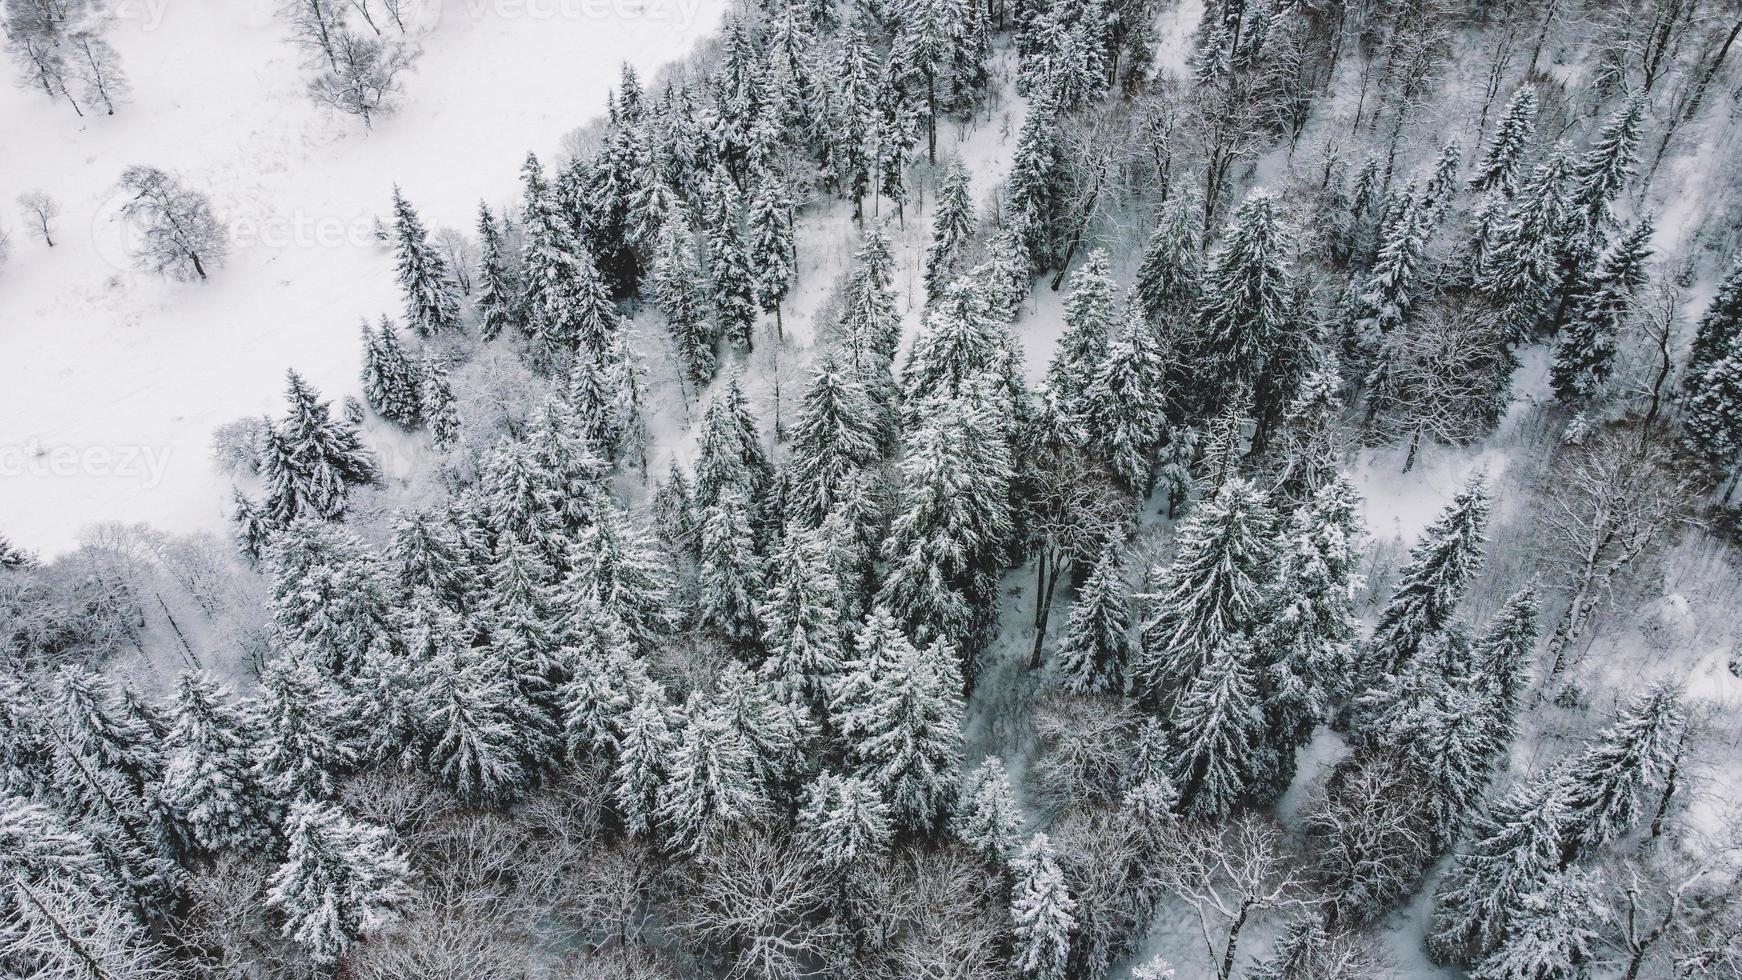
x=112, y=380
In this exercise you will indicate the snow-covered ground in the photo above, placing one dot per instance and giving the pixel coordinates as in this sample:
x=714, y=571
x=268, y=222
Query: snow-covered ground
x=112, y=380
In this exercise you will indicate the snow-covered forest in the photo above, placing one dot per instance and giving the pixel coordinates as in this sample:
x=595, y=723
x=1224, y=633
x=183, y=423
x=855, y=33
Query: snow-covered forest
x=933, y=489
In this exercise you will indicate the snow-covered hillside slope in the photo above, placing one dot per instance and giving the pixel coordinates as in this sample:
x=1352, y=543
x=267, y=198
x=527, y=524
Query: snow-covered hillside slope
x=112, y=379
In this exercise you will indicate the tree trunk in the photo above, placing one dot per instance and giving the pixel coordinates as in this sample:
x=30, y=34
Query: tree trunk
x=1226, y=968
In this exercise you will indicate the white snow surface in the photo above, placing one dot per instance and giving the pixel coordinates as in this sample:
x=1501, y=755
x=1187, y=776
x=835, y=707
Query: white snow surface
x=112, y=380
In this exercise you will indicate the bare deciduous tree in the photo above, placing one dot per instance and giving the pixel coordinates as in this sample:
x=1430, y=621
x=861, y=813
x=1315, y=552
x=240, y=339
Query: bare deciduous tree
x=757, y=905
x=1229, y=874
x=1607, y=501
x=1369, y=834
x=39, y=211
x=178, y=234
x=363, y=79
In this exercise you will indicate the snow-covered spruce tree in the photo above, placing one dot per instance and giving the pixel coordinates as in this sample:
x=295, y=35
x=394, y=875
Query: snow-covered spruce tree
x=1097, y=640
x=210, y=777
x=1715, y=335
x=478, y=744
x=843, y=823
x=1309, y=635
x=1603, y=171
x=712, y=788
x=1218, y=731
x=1498, y=168
x=730, y=574
x=778, y=734
x=1502, y=657
x=838, y=433
x=432, y=303
x=1213, y=588
x=1522, y=267
x=773, y=251
x=1390, y=288
x=907, y=734
x=802, y=616
x=91, y=721
x=498, y=302
x=952, y=522
x=330, y=597
x=729, y=271
x=853, y=119
x=341, y=880
x=1126, y=407
x=310, y=460
x=961, y=342
x=871, y=324
x=390, y=381
x=1555, y=933
x=730, y=454
x=304, y=750
x=1170, y=275
x=1041, y=913
x=1513, y=850
x=1712, y=408
x=877, y=643
x=988, y=821
x=1244, y=341
x=1035, y=196
x=680, y=294
x=645, y=746
x=1585, y=353
x=952, y=229
x=563, y=295
x=1429, y=588
x=1612, y=784
x=1091, y=314
x=615, y=563
x=436, y=401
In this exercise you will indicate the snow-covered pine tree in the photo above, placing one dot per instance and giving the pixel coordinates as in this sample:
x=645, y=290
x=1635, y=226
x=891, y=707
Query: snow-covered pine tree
x=843, y=823
x=679, y=293
x=988, y=821
x=802, y=620
x=853, y=118
x=561, y=286
x=952, y=229
x=1585, y=353
x=432, y=303
x=1035, y=191
x=1502, y=656
x=329, y=596
x=1170, y=275
x=1091, y=315
x=729, y=270
x=1126, y=407
x=341, y=880
x=952, y=522
x=1311, y=628
x=498, y=301
x=615, y=563
x=1219, y=731
x=1602, y=173
x=1440, y=568
x=1610, y=786
x=478, y=743
x=838, y=433
x=304, y=751
x=1712, y=408
x=712, y=788
x=1391, y=285
x=907, y=734
x=1555, y=933
x=1215, y=587
x=778, y=734
x=310, y=460
x=1042, y=913
x=1498, y=169
x=390, y=379
x=1097, y=640
x=436, y=396
x=210, y=777
x=730, y=574
x=1522, y=265
x=1715, y=335
x=773, y=252
x=1513, y=850
x=644, y=747
x=1244, y=342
